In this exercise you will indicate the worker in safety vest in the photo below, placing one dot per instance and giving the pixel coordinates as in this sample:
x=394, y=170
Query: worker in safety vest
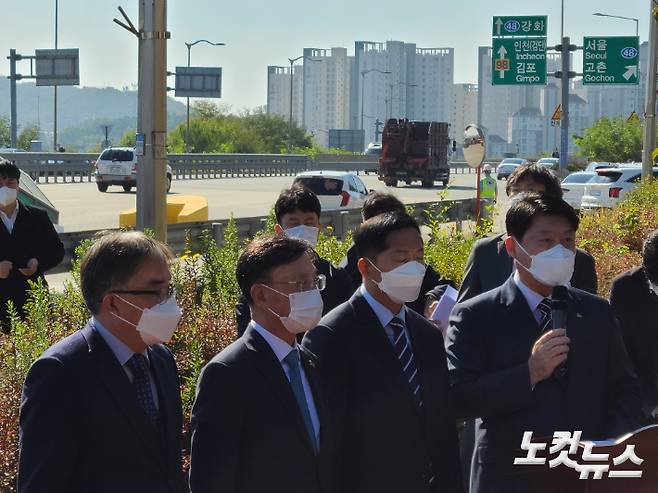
x=488, y=192
x=488, y=185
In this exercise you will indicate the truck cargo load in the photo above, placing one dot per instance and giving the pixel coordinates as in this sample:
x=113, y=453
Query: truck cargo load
x=415, y=151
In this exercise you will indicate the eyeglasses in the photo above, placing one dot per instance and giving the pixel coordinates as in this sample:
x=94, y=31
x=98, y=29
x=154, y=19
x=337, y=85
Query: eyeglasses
x=320, y=282
x=161, y=294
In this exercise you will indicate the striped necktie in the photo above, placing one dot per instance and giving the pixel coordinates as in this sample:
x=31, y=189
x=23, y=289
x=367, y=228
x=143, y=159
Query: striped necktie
x=405, y=355
x=546, y=320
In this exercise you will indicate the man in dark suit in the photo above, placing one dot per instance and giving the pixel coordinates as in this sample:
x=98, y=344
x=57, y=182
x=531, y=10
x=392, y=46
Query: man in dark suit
x=386, y=365
x=101, y=409
x=510, y=367
x=433, y=284
x=297, y=212
x=261, y=419
x=634, y=297
x=489, y=265
x=29, y=244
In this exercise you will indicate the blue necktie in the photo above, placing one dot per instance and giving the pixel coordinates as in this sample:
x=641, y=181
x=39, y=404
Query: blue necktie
x=405, y=355
x=293, y=361
x=142, y=383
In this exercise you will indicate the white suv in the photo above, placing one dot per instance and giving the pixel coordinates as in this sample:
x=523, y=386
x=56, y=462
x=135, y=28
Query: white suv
x=118, y=166
x=610, y=186
x=335, y=189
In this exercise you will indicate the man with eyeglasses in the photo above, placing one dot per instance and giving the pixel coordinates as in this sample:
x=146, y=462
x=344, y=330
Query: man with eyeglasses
x=297, y=212
x=489, y=265
x=101, y=409
x=261, y=420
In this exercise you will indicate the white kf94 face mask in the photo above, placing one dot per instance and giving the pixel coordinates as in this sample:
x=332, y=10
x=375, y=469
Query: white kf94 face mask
x=403, y=283
x=158, y=323
x=306, y=233
x=552, y=267
x=7, y=196
x=305, y=310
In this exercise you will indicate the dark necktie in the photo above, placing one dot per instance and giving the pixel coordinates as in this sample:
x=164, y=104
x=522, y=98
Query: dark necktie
x=142, y=383
x=405, y=355
x=293, y=361
x=546, y=320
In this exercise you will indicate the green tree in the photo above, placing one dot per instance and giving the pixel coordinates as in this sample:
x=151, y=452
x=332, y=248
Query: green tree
x=5, y=132
x=128, y=139
x=611, y=140
x=212, y=129
x=27, y=135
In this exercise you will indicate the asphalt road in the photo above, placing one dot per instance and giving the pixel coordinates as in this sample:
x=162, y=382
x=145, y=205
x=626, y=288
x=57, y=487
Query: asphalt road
x=82, y=207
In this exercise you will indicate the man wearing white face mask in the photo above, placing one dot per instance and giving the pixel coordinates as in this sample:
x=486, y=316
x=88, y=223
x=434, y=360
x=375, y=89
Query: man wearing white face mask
x=29, y=244
x=101, y=409
x=261, y=420
x=386, y=366
x=517, y=372
x=297, y=212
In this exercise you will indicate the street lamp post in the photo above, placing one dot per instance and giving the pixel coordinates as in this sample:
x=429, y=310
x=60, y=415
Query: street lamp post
x=637, y=33
x=55, y=88
x=363, y=85
x=390, y=99
x=292, y=66
x=189, y=54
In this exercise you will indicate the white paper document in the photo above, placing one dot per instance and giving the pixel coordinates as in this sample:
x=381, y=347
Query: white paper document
x=441, y=313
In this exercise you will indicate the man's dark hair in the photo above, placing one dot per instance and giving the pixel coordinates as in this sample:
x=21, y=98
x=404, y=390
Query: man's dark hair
x=379, y=203
x=112, y=260
x=522, y=213
x=296, y=198
x=371, y=237
x=263, y=255
x=650, y=256
x=9, y=170
x=538, y=174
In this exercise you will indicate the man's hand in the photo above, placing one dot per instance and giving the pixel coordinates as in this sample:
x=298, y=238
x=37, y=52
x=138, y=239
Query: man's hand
x=31, y=268
x=548, y=352
x=5, y=269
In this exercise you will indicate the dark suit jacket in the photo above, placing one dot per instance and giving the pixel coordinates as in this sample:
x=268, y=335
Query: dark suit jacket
x=33, y=236
x=338, y=290
x=433, y=283
x=82, y=430
x=248, y=434
x=390, y=445
x=636, y=308
x=489, y=266
x=488, y=346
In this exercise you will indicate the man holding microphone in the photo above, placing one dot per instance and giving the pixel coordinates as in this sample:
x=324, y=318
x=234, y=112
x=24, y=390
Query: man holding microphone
x=536, y=355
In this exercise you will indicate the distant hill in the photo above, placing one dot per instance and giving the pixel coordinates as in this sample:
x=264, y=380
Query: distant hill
x=80, y=111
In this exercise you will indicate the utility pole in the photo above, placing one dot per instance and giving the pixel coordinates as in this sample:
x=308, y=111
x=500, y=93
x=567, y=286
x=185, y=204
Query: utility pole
x=152, y=117
x=565, y=74
x=650, y=100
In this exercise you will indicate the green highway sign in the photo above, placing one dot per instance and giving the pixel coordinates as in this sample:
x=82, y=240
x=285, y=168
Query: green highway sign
x=611, y=60
x=518, y=61
x=522, y=25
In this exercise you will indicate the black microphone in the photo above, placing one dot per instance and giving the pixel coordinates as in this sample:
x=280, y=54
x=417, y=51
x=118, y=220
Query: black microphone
x=559, y=317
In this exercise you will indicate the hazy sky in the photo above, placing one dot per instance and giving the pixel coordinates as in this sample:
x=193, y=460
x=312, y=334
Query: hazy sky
x=261, y=33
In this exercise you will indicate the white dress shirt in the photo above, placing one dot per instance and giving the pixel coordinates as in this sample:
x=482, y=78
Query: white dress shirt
x=9, y=221
x=282, y=349
x=533, y=298
x=123, y=353
x=384, y=315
